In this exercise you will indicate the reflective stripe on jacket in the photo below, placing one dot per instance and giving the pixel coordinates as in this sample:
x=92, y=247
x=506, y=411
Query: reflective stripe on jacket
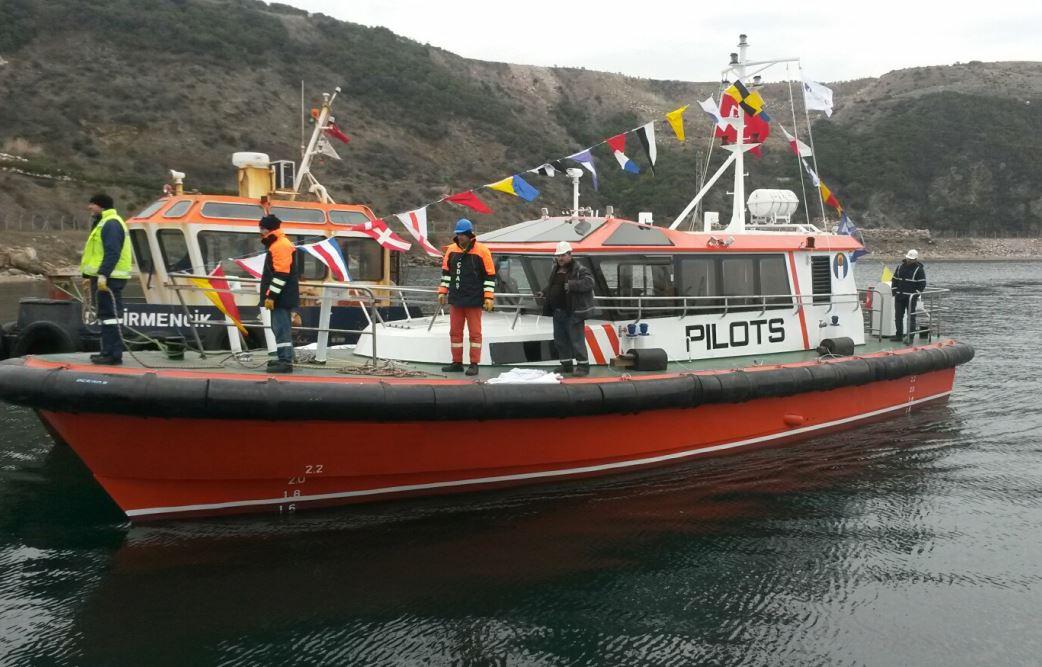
x=468, y=276
x=94, y=249
x=908, y=279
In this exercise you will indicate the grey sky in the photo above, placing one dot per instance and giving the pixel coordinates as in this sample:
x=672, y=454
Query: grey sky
x=690, y=40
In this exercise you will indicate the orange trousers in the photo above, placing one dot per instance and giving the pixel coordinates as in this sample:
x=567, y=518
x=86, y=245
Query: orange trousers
x=472, y=316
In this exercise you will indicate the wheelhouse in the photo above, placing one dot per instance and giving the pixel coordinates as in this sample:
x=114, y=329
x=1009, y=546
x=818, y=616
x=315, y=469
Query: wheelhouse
x=194, y=234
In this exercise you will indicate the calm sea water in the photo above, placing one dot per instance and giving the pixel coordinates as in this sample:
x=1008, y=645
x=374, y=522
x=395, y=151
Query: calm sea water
x=910, y=542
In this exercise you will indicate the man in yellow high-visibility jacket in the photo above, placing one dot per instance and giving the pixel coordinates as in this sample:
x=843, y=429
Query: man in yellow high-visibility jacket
x=107, y=261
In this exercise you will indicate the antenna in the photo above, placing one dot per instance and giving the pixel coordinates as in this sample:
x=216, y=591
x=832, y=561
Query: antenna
x=575, y=174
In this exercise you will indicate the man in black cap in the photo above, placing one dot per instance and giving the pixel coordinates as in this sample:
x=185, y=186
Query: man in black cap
x=107, y=261
x=280, y=290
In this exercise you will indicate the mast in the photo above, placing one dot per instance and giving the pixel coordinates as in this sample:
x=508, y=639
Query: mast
x=321, y=122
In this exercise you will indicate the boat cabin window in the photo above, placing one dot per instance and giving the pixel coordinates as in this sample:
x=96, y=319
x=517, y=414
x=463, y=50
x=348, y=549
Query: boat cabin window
x=232, y=211
x=151, y=208
x=638, y=276
x=175, y=251
x=142, y=251
x=697, y=278
x=512, y=279
x=744, y=279
x=341, y=217
x=292, y=214
x=178, y=209
x=365, y=257
x=310, y=267
x=218, y=247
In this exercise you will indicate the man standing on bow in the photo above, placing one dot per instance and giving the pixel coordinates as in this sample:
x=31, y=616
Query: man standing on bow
x=468, y=285
x=280, y=290
x=908, y=283
x=569, y=299
x=107, y=261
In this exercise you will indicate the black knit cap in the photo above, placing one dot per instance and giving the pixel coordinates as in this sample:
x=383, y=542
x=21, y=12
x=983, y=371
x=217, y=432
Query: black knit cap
x=270, y=222
x=103, y=200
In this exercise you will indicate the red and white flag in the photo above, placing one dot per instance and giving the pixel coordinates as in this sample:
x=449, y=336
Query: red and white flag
x=329, y=253
x=378, y=229
x=252, y=265
x=798, y=147
x=416, y=223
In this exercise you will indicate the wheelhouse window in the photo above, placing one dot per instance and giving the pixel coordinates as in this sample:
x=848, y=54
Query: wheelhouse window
x=365, y=257
x=142, y=251
x=293, y=214
x=697, y=278
x=218, y=247
x=174, y=249
x=749, y=282
x=634, y=278
x=342, y=217
x=151, y=208
x=232, y=211
x=178, y=209
x=512, y=279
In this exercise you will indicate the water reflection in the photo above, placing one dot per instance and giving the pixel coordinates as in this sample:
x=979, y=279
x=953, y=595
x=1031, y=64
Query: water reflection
x=713, y=539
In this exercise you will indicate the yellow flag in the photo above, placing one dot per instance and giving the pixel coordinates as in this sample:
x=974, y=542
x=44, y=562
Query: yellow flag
x=888, y=275
x=676, y=121
x=506, y=185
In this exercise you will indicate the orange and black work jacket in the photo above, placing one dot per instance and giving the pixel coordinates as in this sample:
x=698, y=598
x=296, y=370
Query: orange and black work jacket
x=468, y=276
x=279, y=282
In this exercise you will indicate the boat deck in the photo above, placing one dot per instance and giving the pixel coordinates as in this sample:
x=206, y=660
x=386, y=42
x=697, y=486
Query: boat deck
x=343, y=363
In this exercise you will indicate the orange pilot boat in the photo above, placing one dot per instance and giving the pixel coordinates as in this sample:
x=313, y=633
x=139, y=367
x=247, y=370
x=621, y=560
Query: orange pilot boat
x=705, y=342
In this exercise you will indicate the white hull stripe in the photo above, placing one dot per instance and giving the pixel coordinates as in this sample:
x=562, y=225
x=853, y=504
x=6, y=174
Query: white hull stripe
x=531, y=475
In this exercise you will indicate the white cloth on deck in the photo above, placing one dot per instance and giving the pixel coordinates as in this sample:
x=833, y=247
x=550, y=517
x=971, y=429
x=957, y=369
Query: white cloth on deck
x=526, y=376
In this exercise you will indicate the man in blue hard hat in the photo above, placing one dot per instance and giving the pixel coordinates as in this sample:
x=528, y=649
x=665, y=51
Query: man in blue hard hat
x=468, y=285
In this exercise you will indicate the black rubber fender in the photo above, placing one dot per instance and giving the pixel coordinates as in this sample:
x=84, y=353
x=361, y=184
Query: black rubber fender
x=43, y=337
x=156, y=395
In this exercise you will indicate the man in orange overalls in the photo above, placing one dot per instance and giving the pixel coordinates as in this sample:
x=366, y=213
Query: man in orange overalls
x=468, y=284
x=279, y=288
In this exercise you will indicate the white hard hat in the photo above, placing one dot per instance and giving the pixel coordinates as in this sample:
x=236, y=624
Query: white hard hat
x=563, y=248
x=912, y=254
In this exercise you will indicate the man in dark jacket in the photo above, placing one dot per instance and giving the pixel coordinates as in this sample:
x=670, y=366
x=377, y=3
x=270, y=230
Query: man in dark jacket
x=569, y=299
x=468, y=284
x=908, y=283
x=280, y=290
x=107, y=261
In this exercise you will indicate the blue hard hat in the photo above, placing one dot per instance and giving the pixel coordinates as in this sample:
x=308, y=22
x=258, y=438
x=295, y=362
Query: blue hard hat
x=464, y=226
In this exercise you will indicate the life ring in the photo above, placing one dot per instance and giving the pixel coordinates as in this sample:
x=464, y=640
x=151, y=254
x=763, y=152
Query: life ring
x=43, y=338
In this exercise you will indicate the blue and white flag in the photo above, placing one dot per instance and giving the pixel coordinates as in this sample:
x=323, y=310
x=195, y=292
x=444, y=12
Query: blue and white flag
x=329, y=253
x=848, y=228
x=585, y=159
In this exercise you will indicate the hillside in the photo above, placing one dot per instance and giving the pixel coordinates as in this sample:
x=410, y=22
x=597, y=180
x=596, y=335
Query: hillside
x=112, y=93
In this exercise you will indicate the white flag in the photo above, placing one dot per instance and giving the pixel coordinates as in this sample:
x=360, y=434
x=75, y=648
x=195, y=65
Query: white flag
x=326, y=148
x=817, y=96
x=798, y=147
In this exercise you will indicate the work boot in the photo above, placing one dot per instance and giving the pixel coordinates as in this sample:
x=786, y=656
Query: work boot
x=105, y=360
x=280, y=367
x=472, y=369
x=898, y=338
x=582, y=370
x=565, y=368
x=454, y=367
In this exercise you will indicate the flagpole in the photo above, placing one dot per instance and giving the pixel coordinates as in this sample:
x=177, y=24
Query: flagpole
x=309, y=153
x=813, y=153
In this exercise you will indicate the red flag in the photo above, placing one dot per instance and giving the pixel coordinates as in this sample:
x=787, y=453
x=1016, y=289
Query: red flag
x=617, y=143
x=470, y=200
x=378, y=229
x=334, y=131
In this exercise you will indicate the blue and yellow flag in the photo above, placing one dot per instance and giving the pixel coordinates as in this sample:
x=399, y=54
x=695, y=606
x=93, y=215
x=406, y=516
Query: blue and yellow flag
x=516, y=186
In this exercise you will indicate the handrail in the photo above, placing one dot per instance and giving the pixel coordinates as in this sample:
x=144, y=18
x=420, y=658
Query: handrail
x=369, y=295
